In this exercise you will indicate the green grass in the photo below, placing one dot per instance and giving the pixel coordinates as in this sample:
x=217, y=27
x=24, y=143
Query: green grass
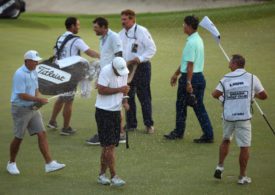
x=151, y=165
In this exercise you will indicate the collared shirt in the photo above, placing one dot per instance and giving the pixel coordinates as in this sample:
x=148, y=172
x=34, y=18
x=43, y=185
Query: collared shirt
x=24, y=81
x=140, y=36
x=72, y=47
x=193, y=52
x=108, y=78
x=109, y=45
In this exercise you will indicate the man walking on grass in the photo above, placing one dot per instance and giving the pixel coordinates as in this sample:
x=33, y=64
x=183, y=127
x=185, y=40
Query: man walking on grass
x=191, y=82
x=237, y=90
x=24, y=96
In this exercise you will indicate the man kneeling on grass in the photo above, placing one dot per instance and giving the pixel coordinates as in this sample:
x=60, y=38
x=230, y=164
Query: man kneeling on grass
x=25, y=96
x=112, y=91
x=237, y=90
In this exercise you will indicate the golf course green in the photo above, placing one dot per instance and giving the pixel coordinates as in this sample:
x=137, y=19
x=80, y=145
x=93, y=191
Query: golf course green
x=151, y=165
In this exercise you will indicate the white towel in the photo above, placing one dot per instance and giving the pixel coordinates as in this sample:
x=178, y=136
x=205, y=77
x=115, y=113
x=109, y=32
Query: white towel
x=91, y=74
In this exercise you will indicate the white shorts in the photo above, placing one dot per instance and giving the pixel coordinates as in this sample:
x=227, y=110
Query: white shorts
x=242, y=132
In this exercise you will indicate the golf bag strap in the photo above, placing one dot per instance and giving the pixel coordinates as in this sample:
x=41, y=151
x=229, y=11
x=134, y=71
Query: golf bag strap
x=78, y=53
x=58, y=50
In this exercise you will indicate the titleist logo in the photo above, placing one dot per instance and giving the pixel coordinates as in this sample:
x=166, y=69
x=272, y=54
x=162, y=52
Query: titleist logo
x=52, y=74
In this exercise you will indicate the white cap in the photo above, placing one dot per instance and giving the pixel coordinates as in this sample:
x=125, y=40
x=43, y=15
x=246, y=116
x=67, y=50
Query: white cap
x=32, y=55
x=120, y=65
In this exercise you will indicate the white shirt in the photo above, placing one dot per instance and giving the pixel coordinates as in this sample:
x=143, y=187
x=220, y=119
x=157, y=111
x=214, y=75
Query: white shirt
x=72, y=47
x=107, y=78
x=109, y=45
x=137, y=35
x=257, y=85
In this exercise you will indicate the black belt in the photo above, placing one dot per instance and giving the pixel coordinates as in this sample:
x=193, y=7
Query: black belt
x=194, y=73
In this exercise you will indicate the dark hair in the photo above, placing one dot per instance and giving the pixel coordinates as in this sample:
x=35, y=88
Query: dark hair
x=70, y=21
x=128, y=12
x=192, y=21
x=238, y=59
x=101, y=22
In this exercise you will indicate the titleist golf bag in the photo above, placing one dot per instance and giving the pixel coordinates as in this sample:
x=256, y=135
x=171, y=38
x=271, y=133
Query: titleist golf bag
x=11, y=8
x=61, y=76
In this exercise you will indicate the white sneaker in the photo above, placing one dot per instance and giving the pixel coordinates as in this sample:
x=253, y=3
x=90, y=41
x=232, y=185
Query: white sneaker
x=53, y=166
x=150, y=130
x=244, y=180
x=102, y=179
x=12, y=168
x=122, y=139
x=116, y=181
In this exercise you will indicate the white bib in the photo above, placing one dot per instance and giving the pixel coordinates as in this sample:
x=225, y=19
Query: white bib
x=237, y=96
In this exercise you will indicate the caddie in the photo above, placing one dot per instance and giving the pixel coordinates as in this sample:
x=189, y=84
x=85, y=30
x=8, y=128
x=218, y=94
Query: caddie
x=237, y=90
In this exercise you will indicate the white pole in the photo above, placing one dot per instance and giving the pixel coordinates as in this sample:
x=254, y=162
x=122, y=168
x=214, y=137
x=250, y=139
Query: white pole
x=259, y=108
x=226, y=56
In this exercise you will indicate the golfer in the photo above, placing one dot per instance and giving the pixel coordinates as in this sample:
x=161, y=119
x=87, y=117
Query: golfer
x=138, y=49
x=68, y=45
x=110, y=47
x=191, y=82
x=24, y=95
x=112, y=87
x=237, y=90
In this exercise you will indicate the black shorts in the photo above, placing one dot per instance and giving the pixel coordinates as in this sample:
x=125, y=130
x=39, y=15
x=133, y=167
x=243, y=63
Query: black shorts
x=108, y=127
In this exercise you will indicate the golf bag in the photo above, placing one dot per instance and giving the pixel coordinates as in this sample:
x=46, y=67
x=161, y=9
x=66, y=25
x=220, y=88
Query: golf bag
x=11, y=8
x=62, y=76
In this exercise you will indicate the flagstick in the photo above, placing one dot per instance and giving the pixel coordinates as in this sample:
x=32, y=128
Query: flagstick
x=226, y=56
x=262, y=113
x=209, y=26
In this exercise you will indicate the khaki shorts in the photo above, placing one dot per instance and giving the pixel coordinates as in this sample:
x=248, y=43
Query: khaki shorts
x=242, y=130
x=25, y=118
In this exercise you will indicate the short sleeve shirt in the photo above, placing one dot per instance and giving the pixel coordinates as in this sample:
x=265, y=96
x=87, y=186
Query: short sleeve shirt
x=193, y=52
x=72, y=47
x=110, y=44
x=24, y=81
x=108, y=78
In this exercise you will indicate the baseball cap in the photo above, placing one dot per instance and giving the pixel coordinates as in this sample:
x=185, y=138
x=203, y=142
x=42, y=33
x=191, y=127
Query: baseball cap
x=32, y=55
x=120, y=65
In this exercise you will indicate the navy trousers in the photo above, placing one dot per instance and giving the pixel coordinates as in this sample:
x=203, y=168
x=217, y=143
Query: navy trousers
x=198, y=84
x=140, y=85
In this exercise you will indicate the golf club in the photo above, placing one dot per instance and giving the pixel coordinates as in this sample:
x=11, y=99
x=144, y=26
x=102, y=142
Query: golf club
x=126, y=129
x=207, y=24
